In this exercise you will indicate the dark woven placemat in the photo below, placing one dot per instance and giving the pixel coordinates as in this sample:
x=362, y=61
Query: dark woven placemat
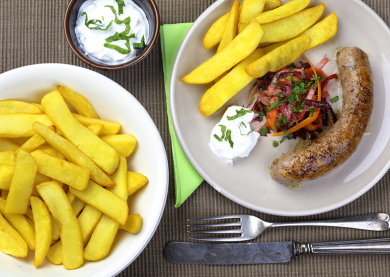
x=31, y=32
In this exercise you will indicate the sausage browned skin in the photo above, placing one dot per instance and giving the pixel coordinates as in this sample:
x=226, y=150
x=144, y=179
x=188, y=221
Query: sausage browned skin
x=334, y=148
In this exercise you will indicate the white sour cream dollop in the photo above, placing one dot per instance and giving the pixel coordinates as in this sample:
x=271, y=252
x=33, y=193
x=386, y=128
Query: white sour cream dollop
x=92, y=41
x=241, y=137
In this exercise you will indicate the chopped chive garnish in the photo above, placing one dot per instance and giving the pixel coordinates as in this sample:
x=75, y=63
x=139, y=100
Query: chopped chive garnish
x=139, y=45
x=239, y=113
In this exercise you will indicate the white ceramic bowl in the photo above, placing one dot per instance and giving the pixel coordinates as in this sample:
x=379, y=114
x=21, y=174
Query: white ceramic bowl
x=111, y=102
x=249, y=182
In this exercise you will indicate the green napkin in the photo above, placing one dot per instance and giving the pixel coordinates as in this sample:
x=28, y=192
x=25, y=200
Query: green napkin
x=186, y=177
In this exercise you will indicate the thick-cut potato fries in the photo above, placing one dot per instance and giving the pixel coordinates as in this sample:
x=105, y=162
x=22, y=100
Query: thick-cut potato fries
x=13, y=106
x=73, y=154
x=64, y=149
x=286, y=10
x=43, y=227
x=11, y=241
x=291, y=26
x=230, y=31
x=216, y=96
x=20, y=125
x=250, y=9
x=240, y=48
x=21, y=184
x=99, y=245
x=109, y=127
x=77, y=101
x=123, y=144
x=101, y=153
x=319, y=33
x=135, y=181
x=58, y=204
x=214, y=34
x=63, y=171
x=8, y=145
x=103, y=200
x=19, y=222
x=278, y=58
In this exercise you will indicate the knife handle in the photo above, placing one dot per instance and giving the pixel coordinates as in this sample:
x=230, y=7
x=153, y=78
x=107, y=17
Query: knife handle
x=349, y=247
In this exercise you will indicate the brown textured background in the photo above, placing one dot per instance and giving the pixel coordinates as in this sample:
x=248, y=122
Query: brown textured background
x=31, y=32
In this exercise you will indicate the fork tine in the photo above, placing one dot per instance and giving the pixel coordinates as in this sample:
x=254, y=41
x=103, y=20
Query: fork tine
x=232, y=239
x=235, y=231
x=215, y=217
x=216, y=225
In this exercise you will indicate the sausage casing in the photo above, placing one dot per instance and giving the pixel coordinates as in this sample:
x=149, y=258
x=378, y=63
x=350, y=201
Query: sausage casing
x=341, y=141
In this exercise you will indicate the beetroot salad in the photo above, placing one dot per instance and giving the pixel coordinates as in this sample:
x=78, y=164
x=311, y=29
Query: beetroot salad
x=292, y=102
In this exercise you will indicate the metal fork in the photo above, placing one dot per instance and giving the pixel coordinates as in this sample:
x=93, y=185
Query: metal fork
x=251, y=226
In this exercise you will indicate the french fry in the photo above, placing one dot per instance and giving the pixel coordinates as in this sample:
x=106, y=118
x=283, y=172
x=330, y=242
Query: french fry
x=70, y=196
x=8, y=145
x=271, y=4
x=103, y=200
x=123, y=144
x=279, y=58
x=74, y=155
x=291, y=26
x=20, y=125
x=43, y=227
x=34, y=142
x=11, y=242
x=54, y=255
x=6, y=173
x=284, y=11
x=135, y=181
x=250, y=9
x=319, y=33
x=240, y=48
x=14, y=106
x=19, y=222
x=216, y=96
x=58, y=204
x=66, y=172
x=77, y=206
x=133, y=224
x=39, y=178
x=37, y=105
x=97, y=150
x=230, y=31
x=22, y=183
x=77, y=101
x=88, y=220
x=214, y=34
x=51, y=151
x=7, y=158
x=103, y=236
x=55, y=229
x=109, y=127
x=96, y=128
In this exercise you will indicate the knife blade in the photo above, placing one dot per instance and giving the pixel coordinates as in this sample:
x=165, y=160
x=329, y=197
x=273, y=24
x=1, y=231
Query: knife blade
x=266, y=252
x=228, y=253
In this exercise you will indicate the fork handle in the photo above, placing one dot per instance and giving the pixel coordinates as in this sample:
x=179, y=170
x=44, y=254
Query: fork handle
x=372, y=222
x=349, y=247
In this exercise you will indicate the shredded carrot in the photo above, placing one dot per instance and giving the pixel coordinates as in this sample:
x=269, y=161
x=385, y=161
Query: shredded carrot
x=308, y=120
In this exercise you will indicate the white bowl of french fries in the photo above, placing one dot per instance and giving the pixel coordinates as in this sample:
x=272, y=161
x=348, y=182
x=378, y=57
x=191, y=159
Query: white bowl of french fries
x=83, y=173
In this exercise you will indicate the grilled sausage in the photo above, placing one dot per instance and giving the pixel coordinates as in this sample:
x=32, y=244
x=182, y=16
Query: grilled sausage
x=334, y=148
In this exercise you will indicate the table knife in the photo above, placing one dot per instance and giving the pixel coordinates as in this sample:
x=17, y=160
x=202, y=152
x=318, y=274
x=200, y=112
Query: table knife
x=266, y=252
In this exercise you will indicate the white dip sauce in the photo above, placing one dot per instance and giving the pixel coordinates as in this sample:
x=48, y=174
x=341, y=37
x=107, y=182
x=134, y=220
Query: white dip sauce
x=92, y=41
x=241, y=140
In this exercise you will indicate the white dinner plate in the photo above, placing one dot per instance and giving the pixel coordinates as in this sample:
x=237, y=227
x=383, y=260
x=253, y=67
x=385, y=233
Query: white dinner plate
x=249, y=182
x=111, y=102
